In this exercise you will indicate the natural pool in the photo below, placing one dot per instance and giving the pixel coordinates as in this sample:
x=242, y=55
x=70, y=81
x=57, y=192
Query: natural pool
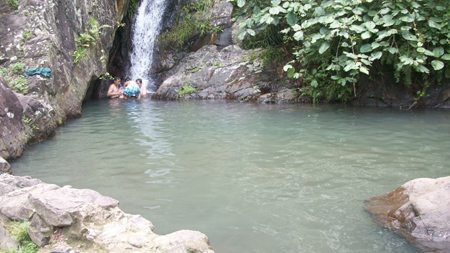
x=254, y=178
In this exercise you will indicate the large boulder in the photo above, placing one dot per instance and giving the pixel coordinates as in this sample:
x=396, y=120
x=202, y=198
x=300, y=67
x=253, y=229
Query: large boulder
x=419, y=210
x=228, y=73
x=64, y=217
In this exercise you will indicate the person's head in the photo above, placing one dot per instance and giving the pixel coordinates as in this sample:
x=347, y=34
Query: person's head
x=139, y=82
x=116, y=81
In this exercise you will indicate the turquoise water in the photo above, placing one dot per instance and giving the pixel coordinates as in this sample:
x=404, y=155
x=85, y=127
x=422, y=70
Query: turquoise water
x=254, y=178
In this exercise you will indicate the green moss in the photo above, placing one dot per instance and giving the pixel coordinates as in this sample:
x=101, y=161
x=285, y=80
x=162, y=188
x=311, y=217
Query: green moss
x=13, y=4
x=20, y=84
x=26, y=36
x=3, y=72
x=194, y=19
x=186, y=90
x=13, y=75
x=17, y=68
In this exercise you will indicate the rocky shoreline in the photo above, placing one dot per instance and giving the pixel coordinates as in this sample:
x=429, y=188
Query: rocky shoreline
x=82, y=220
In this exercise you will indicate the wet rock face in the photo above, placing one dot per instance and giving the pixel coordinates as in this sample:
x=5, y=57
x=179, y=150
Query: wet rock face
x=64, y=217
x=43, y=34
x=419, y=211
x=12, y=135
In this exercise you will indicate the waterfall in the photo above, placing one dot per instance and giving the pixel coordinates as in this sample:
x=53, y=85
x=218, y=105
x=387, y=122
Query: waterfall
x=145, y=30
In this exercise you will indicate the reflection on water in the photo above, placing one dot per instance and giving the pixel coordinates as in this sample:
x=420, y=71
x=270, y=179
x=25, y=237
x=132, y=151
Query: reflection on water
x=254, y=178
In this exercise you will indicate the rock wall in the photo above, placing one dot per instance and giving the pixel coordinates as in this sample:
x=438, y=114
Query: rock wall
x=419, y=211
x=83, y=220
x=213, y=67
x=43, y=34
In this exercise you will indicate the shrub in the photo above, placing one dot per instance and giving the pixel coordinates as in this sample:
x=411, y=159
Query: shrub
x=87, y=39
x=186, y=90
x=19, y=231
x=13, y=4
x=334, y=43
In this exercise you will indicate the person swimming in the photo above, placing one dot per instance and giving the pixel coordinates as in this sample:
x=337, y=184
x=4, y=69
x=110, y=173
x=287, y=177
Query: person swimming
x=131, y=90
x=143, y=89
x=113, y=90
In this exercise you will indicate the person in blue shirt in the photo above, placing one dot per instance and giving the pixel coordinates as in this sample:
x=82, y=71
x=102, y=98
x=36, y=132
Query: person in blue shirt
x=131, y=90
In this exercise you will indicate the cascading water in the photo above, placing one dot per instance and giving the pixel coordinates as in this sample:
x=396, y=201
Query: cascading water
x=145, y=31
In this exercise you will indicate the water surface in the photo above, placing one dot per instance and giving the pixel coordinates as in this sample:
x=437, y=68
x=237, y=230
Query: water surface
x=254, y=178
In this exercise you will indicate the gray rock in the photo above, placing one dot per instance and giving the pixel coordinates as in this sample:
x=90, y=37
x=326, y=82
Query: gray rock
x=228, y=73
x=39, y=231
x=183, y=241
x=6, y=241
x=419, y=211
x=56, y=206
x=4, y=166
x=64, y=217
x=12, y=131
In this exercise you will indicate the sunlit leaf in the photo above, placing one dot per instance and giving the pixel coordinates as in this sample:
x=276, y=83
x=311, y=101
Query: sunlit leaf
x=324, y=47
x=240, y=3
x=437, y=65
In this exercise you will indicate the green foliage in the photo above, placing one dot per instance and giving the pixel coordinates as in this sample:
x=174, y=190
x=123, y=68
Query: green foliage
x=20, y=84
x=19, y=232
x=13, y=4
x=26, y=36
x=3, y=72
x=106, y=76
x=27, y=121
x=193, y=20
x=334, y=43
x=133, y=6
x=87, y=39
x=13, y=75
x=78, y=54
x=186, y=90
x=17, y=68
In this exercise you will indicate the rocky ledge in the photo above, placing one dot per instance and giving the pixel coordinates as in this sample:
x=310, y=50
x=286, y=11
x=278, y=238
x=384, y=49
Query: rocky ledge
x=419, y=210
x=224, y=73
x=81, y=220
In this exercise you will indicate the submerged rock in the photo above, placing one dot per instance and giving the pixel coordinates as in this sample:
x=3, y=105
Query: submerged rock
x=67, y=218
x=419, y=210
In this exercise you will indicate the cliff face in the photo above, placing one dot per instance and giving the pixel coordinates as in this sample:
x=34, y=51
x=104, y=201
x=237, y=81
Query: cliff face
x=72, y=39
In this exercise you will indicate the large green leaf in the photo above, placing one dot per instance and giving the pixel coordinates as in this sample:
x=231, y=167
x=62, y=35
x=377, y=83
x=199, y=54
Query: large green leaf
x=388, y=20
x=376, y=55
x=298, y=35
x=324, y=47
x=365, y=48
x=291, y=19
x=438, y=52
x=366, y=35
x=408, y=36
x=437, y=65
x=240, y=3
